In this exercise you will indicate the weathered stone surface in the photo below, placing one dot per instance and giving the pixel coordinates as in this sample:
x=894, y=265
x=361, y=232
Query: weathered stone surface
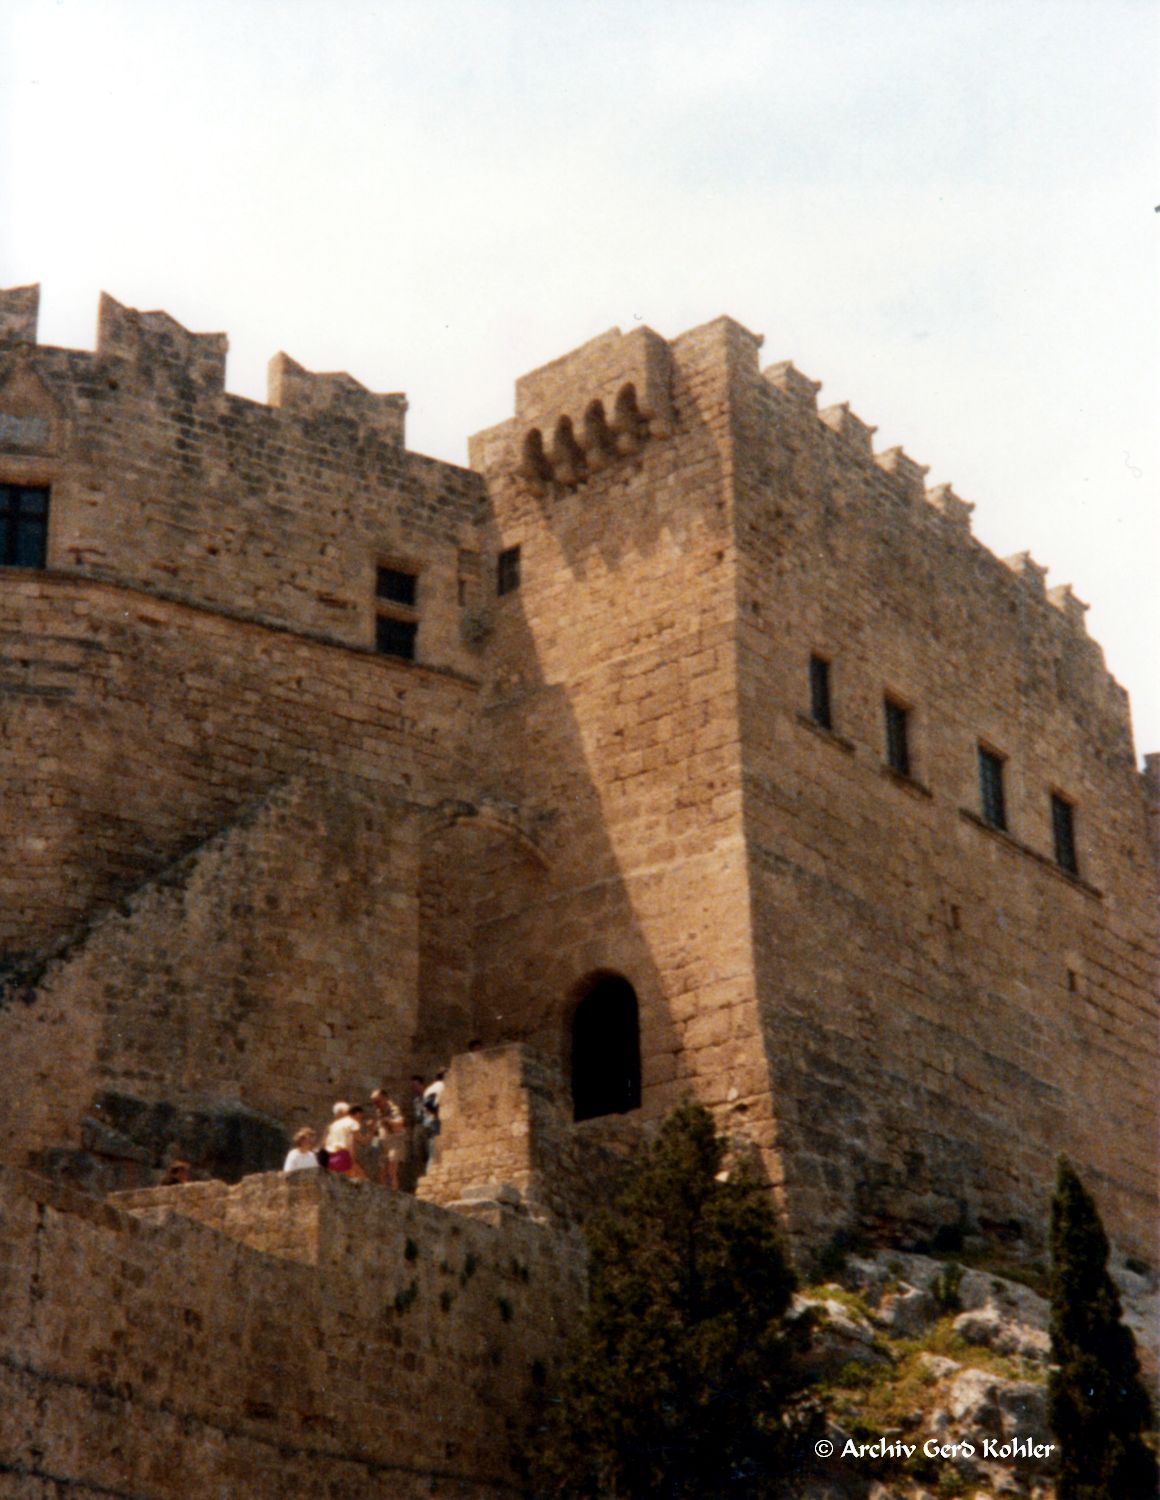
x=906, y=1312
x=972, y=1401
x=988, y=1326
x=840, y=1337
x=244, y=1340
x=250, y=864
x=1023, y=1407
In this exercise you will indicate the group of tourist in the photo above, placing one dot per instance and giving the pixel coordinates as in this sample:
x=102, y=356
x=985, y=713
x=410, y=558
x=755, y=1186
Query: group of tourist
x=366, y=1144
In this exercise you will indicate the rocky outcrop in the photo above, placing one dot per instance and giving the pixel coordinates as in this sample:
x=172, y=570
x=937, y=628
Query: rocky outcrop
x=935, y=1378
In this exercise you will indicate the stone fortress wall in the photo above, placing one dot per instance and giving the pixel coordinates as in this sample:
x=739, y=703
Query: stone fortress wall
x=191, y=697
x=250, y=862
x=909, y=1009
x=946, y=1005
x=278, y=1337
x=303, y=1334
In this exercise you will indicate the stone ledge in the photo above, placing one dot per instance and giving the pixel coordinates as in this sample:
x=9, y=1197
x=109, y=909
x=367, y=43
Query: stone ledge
x=906, y=783
x=1011, y=842
x=830, y=736
x=48, y=579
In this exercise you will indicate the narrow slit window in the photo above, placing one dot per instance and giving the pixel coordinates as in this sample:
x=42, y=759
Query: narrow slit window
x=991, y=796
x=23, y=526
x=507, y=571
x=897, y=737
x=820, y=708
x=1063, y=833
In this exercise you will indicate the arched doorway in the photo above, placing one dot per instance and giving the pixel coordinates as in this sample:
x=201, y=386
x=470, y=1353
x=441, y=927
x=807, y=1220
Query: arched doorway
x=606, y=1049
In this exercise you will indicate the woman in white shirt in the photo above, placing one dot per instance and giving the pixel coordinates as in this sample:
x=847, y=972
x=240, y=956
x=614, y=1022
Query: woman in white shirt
x=301, y=1157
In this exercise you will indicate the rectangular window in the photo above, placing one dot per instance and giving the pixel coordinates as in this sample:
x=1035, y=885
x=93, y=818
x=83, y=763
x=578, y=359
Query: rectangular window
x=396, y=637
x=396, y=622
x=23, y=526
x=820, y=711
x=897, y=737
x=991, y=788
x=507, y=571
x=396, y=586
x=1063, y=833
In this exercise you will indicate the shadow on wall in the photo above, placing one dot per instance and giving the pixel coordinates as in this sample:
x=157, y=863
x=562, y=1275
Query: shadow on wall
x=126, y=1142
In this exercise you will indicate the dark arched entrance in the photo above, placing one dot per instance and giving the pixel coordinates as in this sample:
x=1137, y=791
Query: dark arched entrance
x=606, y=1050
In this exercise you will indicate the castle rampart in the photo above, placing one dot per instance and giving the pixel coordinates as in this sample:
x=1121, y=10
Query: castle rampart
x=681, y=695
x=284, y=1336
x=161, y=480
x=890, y=911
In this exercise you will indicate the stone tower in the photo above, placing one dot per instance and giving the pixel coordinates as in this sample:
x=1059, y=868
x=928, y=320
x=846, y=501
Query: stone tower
x=850, y=801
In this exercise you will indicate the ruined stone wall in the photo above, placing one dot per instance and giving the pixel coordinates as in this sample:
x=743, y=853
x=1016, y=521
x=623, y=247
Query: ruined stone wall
x=945, y=1008
x=282, y=1337
x=613, y=707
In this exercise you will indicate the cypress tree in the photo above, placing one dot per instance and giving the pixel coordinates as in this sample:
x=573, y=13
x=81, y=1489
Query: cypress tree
x=1098, y=1407
x=679, y=1383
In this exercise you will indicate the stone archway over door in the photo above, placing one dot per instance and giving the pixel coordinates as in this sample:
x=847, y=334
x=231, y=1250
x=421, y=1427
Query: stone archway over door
x=606, y=1049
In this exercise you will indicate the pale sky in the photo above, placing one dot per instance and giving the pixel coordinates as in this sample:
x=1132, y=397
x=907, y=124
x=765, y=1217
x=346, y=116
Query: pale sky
x=943, y=210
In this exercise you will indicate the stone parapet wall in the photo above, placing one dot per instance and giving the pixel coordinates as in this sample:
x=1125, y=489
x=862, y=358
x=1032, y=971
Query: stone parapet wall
x=282, y=1337
x=507, y=1140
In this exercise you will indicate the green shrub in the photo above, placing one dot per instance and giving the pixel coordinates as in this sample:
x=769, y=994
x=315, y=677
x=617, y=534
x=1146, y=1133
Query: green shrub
x=945, y=1287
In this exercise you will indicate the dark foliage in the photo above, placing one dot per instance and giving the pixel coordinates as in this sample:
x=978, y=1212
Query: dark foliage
x=679, y=1383
x=1097, y=1404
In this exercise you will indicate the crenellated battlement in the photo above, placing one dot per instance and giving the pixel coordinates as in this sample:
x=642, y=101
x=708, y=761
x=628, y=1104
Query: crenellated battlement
x=19, y=312
x=292, y=388
x=1028, y=571
x=787, y=378
x=856, y=437
x=909, y=476
x=952, y=506
x=1033, y=576
x=599, y=404
x=157, y=346
x=1069, y=604
x=156, y=477
x=153, y=349
x=854, y=433
x=574, y=417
